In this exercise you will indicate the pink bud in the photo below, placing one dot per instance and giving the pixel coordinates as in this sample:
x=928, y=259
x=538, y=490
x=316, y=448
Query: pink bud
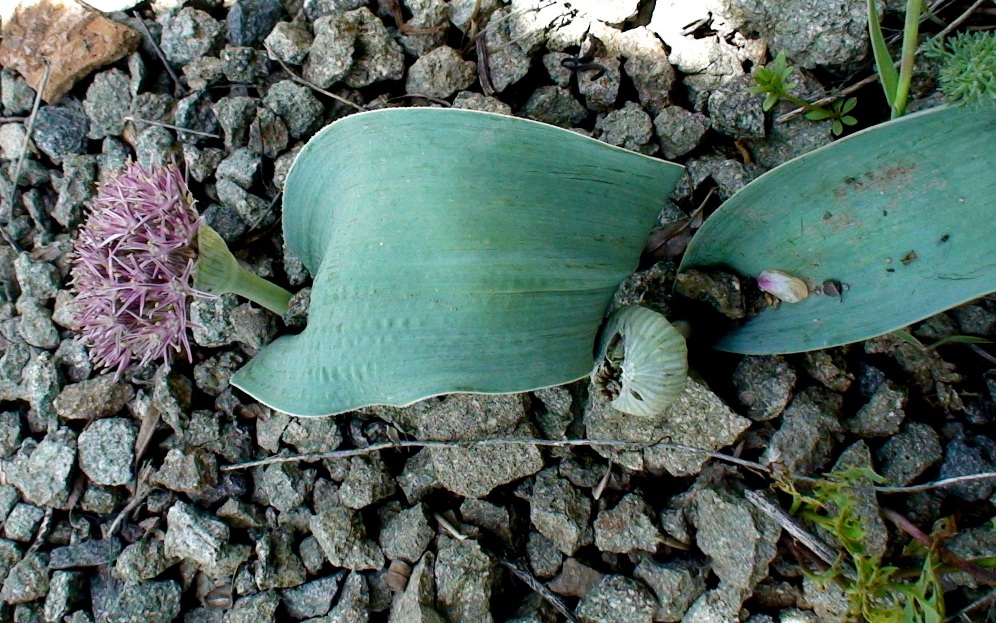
x=783, y=286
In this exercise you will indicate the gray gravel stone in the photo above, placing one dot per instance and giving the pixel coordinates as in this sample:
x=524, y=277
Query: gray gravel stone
x=553, y=63
x=195, y=112
x=107, y=451
x=560, y=512
x=908, y=454
x=600, y=93
x=15, y=94
x=406, y=535
x=93, y=399
x=194, y=535
x=146, y=602
x=809, y=31
x=60, y=131
x=975, y=319
x=544, y=557
x=235, y=114
x=203, y=72
x=254, y=210
x=107, y=103
x=257, y=608
x=311, y=435
x=739, y=540
x=378, y=56
x=475, y=101
x=440, y=73
x=507, y=61
x=829, y=368
x=617, y=599
x=354, y=602
x=268, y=133
x=317, y=8
x=11, y=431
x=75, y=188
x=698, y=419
x=735, y=111
x=296, y=105
x=331, y=54
x=27, y=580
x=37, y=279
x=190, y=34
x=66, y=589
x=476, y=472
x=22, y=521
x=882, y=415
x=628, y=527
x=241, y=166
x=367, y=481
x=41, y=471
x=575, y=579
x=676, y=585
x=155, y=147
x=764, y=385
x=201, y=162
x=248, y=21
x=153, y=107
x=213, y=374
x=313, y=599
x=284, y=486
x=417, y=603
x=628, y=127
x=289, y=42
x=417, y=478
x=194, y=472
x=555, y=106
x=342, y=536
x=243, y=64
x=805, y=441
x=679, y=130
x=961, y=459
x=789, y=140
x=430, y=15
x=464, y=574
x=277, y=565
x=12, y=137
x=142, y=560
x=646, y=63
x=35, y=324
x=91, y=553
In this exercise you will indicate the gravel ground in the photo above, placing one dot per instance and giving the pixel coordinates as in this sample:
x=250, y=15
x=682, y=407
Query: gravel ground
x=125, y=500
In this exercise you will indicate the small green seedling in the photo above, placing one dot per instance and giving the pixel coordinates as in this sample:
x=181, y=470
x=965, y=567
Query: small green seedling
x=876, y=592
x=773, y=81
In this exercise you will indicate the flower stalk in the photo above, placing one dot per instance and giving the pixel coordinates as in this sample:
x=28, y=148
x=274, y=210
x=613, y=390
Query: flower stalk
x=218, y=272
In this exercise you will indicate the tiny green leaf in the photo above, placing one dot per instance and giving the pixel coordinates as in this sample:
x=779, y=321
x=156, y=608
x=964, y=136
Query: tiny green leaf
x=818, y=114
x=883, y=61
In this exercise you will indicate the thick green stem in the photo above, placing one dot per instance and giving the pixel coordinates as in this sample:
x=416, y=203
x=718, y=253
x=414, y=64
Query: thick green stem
x=251, y=286
x=910, y=41
x=218, y=272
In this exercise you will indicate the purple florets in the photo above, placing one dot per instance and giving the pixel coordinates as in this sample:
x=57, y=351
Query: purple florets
x=133, y=268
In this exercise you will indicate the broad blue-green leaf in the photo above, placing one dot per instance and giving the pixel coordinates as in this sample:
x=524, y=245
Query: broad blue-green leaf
x=904, y=213
x=452, y=251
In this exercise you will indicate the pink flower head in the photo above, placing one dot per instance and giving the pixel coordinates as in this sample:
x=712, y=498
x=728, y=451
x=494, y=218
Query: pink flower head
x=133, y=268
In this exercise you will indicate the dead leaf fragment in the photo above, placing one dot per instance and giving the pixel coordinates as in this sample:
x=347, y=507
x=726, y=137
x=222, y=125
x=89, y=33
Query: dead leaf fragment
x=74, y=39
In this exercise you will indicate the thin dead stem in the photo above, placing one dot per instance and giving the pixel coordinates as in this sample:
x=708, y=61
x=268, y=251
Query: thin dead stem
x=938, y=484
x=8, y=213
x=170, y=126
x=178, y=88
x=314, y=87
x=542, y=443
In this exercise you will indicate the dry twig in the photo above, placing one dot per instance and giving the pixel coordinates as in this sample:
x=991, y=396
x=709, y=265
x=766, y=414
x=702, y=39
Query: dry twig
x=171, y=127
x=519, y=571
x=314, y=87
x=6, y=215
x=178, y=88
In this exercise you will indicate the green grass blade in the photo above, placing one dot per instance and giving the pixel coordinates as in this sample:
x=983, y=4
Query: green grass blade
x=883, y=62
x=921, y=188
x=452, y=251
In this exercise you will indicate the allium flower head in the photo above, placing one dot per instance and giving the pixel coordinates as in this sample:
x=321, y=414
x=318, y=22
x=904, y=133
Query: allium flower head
x=133, y=265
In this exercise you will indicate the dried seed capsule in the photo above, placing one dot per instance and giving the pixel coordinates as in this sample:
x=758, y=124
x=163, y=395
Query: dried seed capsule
x=642, y=362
